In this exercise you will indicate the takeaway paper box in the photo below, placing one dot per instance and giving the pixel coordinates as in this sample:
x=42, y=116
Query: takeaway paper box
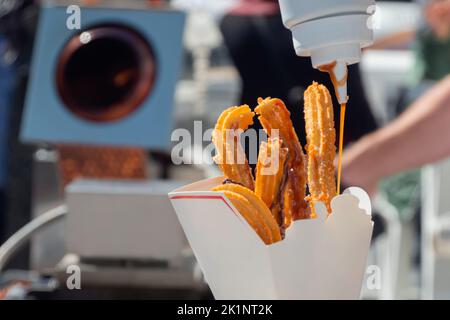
x=322, y=258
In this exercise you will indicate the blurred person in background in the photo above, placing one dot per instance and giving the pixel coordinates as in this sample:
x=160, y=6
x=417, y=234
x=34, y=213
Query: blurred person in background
x=418, y=136
x=433, y=42
x=431, y=45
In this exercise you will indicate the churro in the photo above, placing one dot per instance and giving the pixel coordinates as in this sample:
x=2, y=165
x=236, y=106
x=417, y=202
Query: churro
x=277, y=196
x=321, y=139
x=275, y=119
x=231, y=157
x=271, y=176
x=253, y=210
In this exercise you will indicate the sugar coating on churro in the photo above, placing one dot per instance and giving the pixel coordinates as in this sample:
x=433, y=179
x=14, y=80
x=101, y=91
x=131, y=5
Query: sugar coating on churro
x=321, y=139
x=277, y=195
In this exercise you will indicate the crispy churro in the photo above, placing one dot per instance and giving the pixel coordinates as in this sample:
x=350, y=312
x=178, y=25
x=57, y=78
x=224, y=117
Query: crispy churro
x=270, y=178
x=279, y=195
x=275, y=119
x=254, y=210
x=231, y=157
x=321, y=149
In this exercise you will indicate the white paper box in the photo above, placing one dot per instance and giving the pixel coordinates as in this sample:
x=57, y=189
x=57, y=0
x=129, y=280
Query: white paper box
x=322, y=258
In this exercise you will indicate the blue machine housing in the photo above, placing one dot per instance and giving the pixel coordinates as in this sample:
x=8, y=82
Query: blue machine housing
x=46, y=119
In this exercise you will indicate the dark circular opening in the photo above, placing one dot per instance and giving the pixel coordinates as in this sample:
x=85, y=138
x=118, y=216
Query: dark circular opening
x=96, y=79
x=105, y=73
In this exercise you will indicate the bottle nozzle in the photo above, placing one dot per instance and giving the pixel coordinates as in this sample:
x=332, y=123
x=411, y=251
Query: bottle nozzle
x=340, y=72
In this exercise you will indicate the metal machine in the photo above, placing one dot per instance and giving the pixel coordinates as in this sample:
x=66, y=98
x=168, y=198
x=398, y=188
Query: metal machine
x=111, y=82
x=108, y=81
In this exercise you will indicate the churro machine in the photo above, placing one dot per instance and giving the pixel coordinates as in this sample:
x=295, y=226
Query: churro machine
x=98, y=106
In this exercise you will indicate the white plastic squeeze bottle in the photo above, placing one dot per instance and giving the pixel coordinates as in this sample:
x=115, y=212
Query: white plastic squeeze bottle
x=331, y=32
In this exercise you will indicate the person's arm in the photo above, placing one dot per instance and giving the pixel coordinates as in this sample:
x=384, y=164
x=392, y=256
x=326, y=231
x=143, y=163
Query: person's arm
x=396, y=40
x=419, y=136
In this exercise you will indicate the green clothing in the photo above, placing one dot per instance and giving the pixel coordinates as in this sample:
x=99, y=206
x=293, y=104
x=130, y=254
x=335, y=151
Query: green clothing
x=432, y=63
x=402, y=191
x=432, y=55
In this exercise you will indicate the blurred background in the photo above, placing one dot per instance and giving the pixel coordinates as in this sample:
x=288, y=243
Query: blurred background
x=90, y=92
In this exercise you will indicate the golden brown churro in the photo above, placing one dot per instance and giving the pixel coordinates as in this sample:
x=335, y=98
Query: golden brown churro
x=281, y=172
x=254, y=210
x=321, y=149
x=274, y=115
x=231, y=157
x=270, y=178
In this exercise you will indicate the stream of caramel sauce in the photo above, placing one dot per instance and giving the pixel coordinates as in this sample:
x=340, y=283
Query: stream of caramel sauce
x=341, y=147
x=337, y=83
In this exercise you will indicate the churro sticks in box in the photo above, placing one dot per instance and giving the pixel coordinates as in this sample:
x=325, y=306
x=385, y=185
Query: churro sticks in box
x=280, y=232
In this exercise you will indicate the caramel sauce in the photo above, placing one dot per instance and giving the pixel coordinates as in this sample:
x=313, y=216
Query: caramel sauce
x=341, y=146
x=329, y=68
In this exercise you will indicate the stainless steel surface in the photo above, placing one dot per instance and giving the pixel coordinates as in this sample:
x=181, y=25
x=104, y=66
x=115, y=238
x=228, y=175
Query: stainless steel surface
x=122, y=220
x=47, y=247
x=178, y=277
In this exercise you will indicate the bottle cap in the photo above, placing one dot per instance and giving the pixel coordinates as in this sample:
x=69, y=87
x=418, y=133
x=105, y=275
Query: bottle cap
x=340, y=72
x=337, y=38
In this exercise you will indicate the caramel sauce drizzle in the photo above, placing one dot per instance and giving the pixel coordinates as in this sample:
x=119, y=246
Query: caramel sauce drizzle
x=341, y=147
x=337, y=83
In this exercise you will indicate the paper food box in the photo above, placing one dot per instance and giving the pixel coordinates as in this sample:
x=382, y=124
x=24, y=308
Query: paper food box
x=321, y=258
